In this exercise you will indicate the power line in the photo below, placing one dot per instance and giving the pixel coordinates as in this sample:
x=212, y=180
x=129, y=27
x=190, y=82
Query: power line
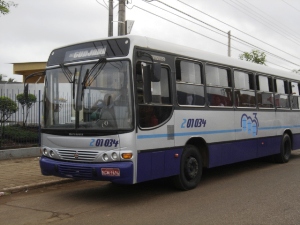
x=287, y=37
x=264, y=18
x=277, y=21
x=198, y=33
x=291, y=6
x=238, y=29
x=182, y=26
x=102, y=4
x=225, y=34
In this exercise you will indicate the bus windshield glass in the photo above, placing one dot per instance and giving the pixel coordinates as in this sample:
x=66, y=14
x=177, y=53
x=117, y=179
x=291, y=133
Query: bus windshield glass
x=93, y=96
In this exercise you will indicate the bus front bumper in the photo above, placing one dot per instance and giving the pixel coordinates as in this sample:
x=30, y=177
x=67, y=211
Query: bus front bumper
x=116, y=172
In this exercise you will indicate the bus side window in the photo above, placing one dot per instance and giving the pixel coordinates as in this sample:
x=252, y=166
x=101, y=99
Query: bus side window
x=189, y=83
x=294, y=96
x=244, y=89
x=265, y=96
x=281, y=95
x=218, y=82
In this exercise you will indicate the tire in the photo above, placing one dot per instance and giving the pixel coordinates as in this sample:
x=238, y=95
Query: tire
x=285, y=150
x=190, y=169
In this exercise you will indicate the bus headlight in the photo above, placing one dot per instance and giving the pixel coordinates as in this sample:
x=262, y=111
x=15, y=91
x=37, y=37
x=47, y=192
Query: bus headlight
x=105, y=157
x=45, y=152
x=51, y=153
x=114, y=156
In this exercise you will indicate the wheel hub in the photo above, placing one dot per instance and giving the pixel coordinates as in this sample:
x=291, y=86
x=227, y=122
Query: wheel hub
x=191, y=168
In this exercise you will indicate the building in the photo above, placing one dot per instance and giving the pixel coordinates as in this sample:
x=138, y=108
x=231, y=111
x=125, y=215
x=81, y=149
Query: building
x=27, y=68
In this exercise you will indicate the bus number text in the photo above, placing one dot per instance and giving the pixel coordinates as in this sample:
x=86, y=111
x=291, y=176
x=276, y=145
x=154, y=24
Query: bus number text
x=190, y=123
x=104, y=142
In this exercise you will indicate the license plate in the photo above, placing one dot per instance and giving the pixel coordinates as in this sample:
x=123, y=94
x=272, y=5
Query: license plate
x=112, y=172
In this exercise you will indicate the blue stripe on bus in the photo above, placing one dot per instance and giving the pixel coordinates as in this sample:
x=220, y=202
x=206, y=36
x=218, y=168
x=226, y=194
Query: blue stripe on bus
x=149, y=136
x=146, y=136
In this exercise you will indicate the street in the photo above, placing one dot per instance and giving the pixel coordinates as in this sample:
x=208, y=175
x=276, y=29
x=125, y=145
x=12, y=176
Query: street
x=253, y=192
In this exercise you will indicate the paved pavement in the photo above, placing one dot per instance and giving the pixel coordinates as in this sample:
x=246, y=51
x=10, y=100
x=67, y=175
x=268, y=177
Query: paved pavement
x=22, y=174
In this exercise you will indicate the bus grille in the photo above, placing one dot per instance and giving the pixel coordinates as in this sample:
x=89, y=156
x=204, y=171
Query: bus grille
x=78, y=156
x=75, y=171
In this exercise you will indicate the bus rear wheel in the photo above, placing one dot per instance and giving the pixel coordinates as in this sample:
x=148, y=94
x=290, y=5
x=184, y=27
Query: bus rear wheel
x=190, y=169
x=285, y=150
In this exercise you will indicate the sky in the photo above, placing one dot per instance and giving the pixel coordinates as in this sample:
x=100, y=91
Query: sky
x=34, y=28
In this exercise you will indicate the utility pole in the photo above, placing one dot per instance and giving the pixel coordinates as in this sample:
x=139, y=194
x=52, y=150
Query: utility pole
x=229, y=43
x=110, y=18
x=121, y=20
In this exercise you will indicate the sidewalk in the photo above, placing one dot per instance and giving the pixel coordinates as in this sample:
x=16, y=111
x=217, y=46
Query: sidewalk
x=22, y=174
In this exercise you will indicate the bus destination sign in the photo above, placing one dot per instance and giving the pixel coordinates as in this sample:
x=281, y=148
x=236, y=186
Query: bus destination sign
x=85, y=53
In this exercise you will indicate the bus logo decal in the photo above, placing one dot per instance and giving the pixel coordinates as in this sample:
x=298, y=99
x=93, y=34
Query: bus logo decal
x=250, y=125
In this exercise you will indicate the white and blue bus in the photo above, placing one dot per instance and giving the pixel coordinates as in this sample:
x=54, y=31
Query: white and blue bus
x=131, y=109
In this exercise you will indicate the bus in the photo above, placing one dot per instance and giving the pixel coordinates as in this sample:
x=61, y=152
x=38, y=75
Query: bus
x=130, y=109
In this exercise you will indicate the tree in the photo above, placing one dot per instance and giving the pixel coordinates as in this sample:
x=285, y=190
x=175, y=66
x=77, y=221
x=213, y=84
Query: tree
x=0, y=77
x=10, y=80
x=7, y=108
x=296, y=71
x=4, y=6
x=28, y=102
x=254, y=56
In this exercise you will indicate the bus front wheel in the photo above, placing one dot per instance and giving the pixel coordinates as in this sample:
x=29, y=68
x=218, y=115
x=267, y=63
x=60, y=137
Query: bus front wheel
x=285, y=150
x=190, y=169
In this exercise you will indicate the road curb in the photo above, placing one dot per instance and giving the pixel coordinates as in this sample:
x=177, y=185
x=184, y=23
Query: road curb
x=19, y=153
x=36, y=185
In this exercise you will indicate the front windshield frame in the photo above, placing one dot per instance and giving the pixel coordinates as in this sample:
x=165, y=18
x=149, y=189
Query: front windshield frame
x=78, y=126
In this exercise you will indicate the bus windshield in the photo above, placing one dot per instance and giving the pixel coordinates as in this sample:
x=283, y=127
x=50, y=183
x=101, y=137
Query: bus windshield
x=91, y=96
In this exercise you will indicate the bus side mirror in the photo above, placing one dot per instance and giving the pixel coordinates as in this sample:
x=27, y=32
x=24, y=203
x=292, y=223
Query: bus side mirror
x=152, y=73
x=156, y=72
x=147, y=84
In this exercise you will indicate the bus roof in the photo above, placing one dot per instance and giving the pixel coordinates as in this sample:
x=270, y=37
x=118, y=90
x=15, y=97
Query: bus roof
x=188, y=52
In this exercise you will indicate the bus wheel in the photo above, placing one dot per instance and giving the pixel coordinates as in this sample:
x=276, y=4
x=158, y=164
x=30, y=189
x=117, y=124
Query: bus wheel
x=190, y=169
x=285, y=150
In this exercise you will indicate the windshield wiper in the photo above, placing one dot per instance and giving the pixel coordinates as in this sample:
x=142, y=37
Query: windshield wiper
x=89, y=78
x=87, y=81
x=66, y=72
x=73, y=81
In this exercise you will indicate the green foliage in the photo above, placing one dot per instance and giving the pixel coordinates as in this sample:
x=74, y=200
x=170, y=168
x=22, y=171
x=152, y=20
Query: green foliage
x=21, y=134
x=4, y=6
x=28, y=102
x=296, y=71
x=254, y=56
x=7, y=108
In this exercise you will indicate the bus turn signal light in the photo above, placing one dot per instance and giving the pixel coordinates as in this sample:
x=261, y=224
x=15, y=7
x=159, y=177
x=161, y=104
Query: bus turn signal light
x=126, y=155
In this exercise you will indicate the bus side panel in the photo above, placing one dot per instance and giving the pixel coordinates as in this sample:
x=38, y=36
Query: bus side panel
x=296, y=141
x=226, y=153
x=158, y=164
x=268, y=146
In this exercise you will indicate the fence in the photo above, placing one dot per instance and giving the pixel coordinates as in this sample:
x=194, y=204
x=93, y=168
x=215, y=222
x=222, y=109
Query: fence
x=13, y=133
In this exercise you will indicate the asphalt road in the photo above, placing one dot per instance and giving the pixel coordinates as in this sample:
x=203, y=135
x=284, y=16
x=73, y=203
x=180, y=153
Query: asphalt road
x=254, y=192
